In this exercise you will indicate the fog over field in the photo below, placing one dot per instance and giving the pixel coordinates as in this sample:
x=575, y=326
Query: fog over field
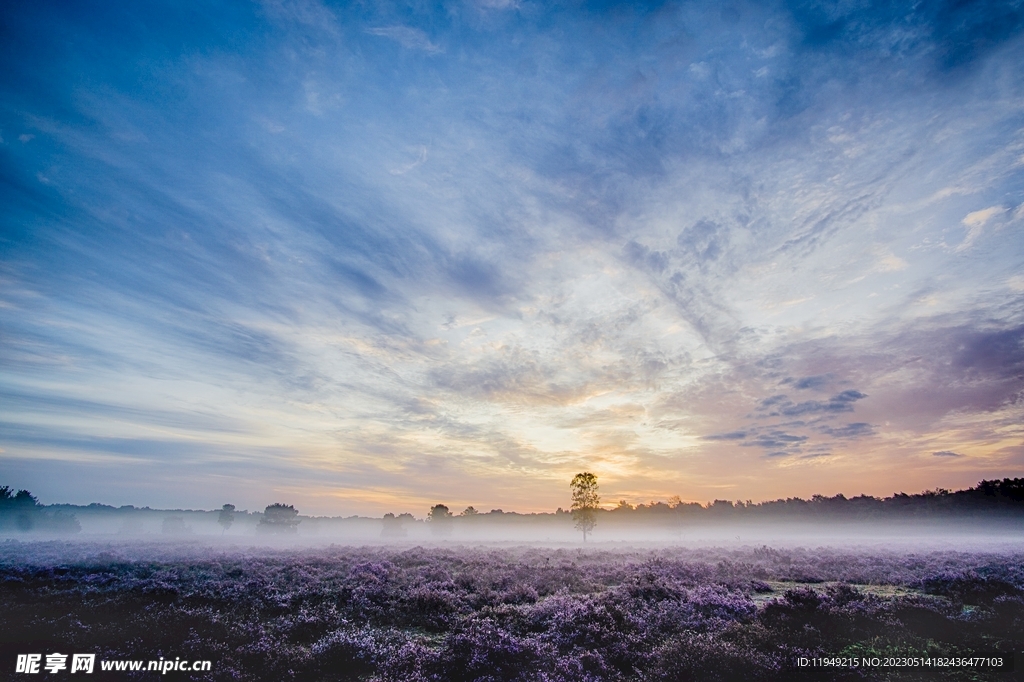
x=986, y=517
x=366, y=532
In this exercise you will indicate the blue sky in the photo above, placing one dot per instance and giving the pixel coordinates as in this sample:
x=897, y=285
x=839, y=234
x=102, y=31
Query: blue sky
x=369, y=257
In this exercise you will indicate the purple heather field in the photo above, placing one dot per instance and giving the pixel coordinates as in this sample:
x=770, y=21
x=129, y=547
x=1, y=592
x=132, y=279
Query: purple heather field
x=558, y=612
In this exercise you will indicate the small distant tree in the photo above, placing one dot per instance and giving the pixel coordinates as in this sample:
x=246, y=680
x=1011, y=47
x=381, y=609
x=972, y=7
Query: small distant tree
x=469, y=511
x=392, y=526
x=175, y=525
x=226, y=516
x=279, y=518
x=584, y=502
x=440, y=519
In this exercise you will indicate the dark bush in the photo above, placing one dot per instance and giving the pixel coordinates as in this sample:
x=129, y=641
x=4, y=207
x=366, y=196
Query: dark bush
x=705, y=658
x=968, y=587
x=484, y=653
x=344, y=655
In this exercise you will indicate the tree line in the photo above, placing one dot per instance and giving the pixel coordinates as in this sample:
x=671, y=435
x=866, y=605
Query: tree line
x=997, y=497
x=987, y=497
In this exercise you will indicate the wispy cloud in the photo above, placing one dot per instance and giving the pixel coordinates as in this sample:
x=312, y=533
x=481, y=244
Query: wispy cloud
x=975, y=222
x=406, y=36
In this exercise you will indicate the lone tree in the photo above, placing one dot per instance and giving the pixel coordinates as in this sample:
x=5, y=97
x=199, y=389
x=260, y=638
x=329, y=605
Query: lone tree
x=584, y=502
x=226, y=516
x=279, y=518
x=440, y=519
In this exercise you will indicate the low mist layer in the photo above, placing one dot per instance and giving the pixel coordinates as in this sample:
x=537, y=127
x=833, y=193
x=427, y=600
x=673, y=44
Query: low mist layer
x=989, y=514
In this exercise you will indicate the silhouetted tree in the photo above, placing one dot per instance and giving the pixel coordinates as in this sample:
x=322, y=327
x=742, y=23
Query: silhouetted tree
x=26, y=509
x=279, y=518
x=584, y=501
x=440, y=519
x=27, y=514
x=392, y=526
x=469, y=511
x=1010, y=489
x=226, y=516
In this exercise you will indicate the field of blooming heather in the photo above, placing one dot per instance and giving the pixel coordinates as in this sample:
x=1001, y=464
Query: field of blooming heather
x=522, y=613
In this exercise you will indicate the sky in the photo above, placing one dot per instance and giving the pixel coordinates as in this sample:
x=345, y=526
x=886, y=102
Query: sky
x=372, y=256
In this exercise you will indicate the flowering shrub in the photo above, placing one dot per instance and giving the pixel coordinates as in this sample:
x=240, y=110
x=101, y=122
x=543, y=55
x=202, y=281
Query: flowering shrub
x=523, y=614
